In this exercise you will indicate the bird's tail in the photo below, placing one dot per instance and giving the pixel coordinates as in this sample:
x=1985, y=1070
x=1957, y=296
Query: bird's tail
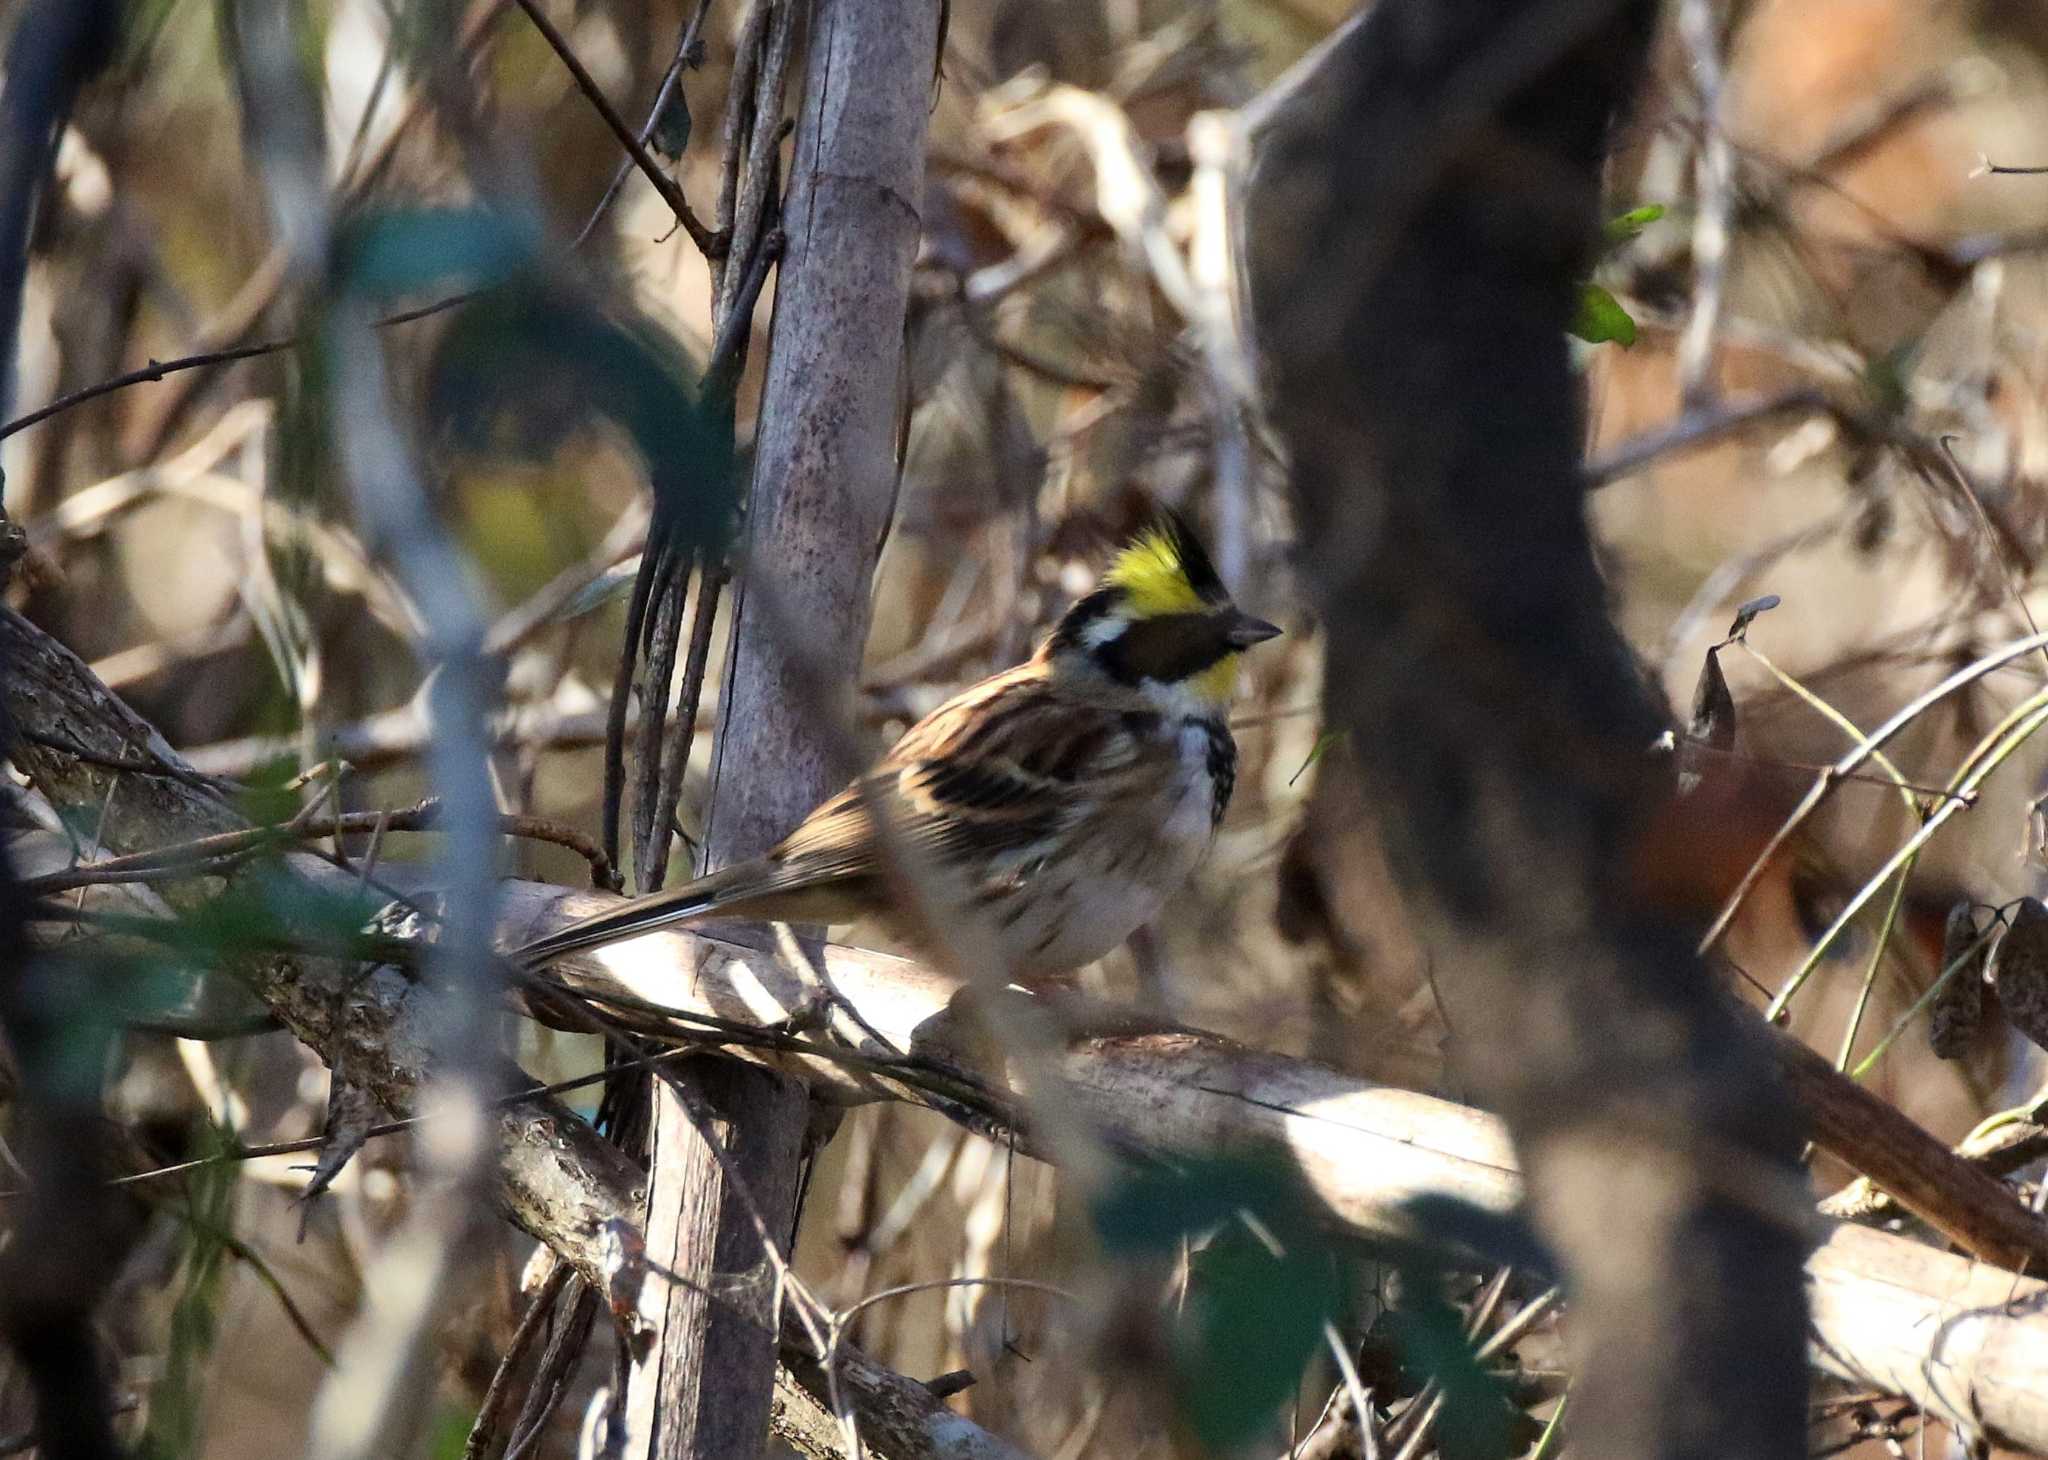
x=711, y=893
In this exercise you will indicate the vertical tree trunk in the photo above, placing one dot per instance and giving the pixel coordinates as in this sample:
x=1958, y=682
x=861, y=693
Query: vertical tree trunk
x=824, y=481
x=1420, y=252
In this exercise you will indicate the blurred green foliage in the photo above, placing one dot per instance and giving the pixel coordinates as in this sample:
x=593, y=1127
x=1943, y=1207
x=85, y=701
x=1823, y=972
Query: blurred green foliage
x=1262, y=1284
x=1478, y=1419
x=176, y=1399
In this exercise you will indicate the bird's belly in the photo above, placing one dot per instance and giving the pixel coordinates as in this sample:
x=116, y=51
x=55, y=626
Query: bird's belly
x=1080, y=928
x=1088, y=902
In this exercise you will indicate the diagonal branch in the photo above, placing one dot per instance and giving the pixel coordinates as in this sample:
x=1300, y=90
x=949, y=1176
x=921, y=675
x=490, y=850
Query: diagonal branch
x=711, y=244
x=1967, y=1340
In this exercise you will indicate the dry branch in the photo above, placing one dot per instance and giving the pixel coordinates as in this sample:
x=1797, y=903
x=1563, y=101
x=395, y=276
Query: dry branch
x=899, y=1417
x=1967, y=1340
x=558, y=1180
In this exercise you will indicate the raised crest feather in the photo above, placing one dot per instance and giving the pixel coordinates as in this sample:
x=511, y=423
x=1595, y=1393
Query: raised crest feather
x=1164, y=570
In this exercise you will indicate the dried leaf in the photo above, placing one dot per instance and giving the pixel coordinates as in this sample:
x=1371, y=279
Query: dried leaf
x=626, y=1266
x=1713, y=706
x=1712, y=727
x=673, y=127
x=1746, y=615
x=2019, y=970
x=1958, y=1006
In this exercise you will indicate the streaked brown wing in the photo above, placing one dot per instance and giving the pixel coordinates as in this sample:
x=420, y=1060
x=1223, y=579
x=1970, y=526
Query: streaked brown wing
x=999, y=777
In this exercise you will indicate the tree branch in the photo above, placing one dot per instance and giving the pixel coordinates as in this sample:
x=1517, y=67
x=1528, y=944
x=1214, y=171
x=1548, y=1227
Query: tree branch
x=1967, y=1340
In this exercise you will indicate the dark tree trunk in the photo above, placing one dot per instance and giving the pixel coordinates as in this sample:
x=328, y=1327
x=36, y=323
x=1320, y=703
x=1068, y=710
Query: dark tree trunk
x=1418, y=248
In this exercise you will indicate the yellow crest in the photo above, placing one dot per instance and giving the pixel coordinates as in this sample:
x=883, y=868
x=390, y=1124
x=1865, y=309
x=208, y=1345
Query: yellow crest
x=1154, y=575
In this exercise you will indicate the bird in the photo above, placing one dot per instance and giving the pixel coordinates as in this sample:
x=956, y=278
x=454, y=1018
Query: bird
x=1061, y=802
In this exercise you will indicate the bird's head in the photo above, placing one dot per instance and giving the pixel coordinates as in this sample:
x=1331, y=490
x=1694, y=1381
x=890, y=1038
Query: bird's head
x=1161, y=622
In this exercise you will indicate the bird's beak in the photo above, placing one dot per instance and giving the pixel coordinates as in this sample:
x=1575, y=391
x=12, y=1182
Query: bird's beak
x=1242, y=631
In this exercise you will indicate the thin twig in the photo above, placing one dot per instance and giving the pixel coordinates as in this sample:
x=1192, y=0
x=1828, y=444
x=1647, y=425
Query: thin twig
x=842, y=1319
x=264, y=1274
x=157, y=370
x=1410, y=1429
x=314, y=1143
x=153, y=371
x=224, y=847
x=551, y=1380
x=263, y=286
x=1361, y=1397
x=1696, y=746
x=483, y=1432
x=710, y=244
x=1701, y=426
x=1996, y=540
x=1713, y=225
x=1825, y=783
x=686, y=46
x=134, y=766
x=1877, y=952
x=1836, y=718
x=1989, y=754
x=1920, y=1005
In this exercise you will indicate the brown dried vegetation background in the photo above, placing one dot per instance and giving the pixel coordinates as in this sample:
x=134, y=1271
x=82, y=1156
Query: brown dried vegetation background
x=181, y=545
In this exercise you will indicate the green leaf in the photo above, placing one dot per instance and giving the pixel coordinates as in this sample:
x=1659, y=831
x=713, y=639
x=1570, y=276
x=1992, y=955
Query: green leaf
x=1625, y=226
x=1601, y=319
x=1253, y=1319
x=262, y=908
x=1316, y=752
x=1151, y=1209
x=407, y=250
x=1260, y=1287
x=177, y=1398
x=268, y=796
x=1479, y=1420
